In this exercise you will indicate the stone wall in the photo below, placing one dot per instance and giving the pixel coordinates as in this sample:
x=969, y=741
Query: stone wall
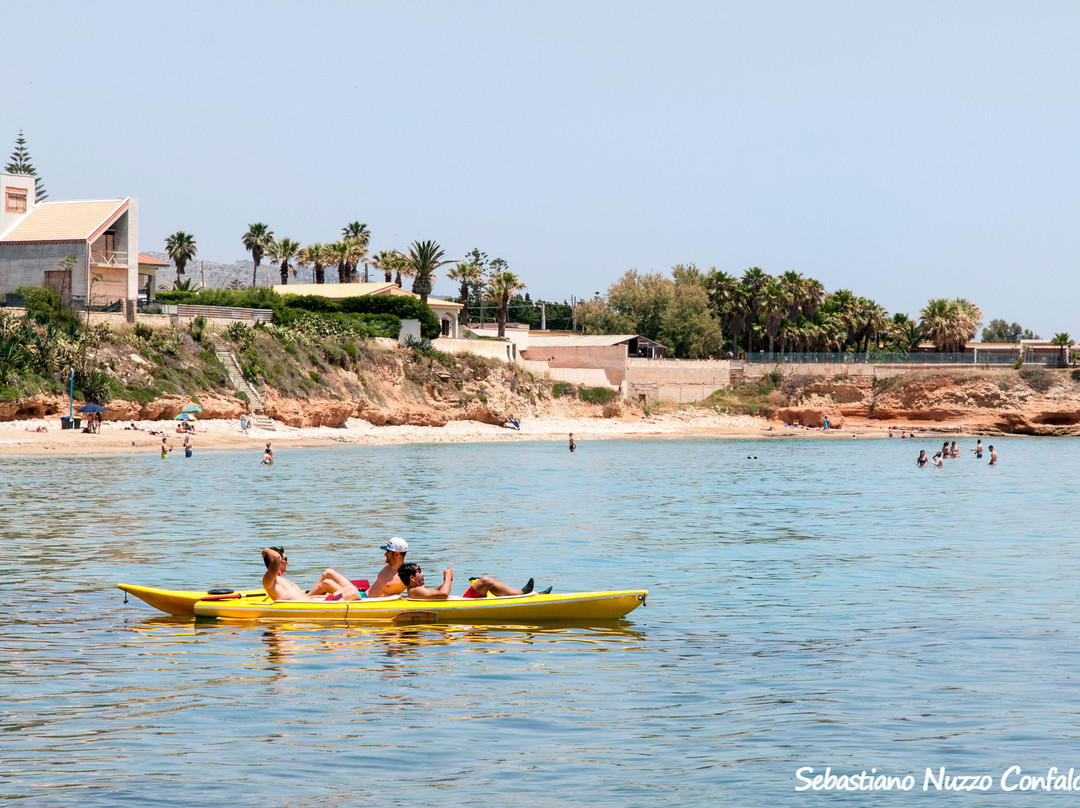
x=679, y=380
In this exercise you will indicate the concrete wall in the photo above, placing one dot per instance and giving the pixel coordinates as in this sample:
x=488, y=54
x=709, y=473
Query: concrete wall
x=506, y=351
x=28, y=184
x=409, y=328
x=25, y=265
x=611, y=359
x=678, y=380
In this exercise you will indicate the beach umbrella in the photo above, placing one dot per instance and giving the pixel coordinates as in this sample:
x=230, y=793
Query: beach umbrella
x=185, y=416
x=91, y=408
x=192, y=408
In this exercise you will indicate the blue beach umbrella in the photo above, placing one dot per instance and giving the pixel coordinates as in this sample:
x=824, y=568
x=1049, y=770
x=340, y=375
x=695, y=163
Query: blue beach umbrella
x=91, y=408
x=192, y=408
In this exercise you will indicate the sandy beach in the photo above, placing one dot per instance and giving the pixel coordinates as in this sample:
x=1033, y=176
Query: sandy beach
x=22, y=437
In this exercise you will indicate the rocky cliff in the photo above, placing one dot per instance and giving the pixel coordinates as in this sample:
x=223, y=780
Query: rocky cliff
x=1030, y=401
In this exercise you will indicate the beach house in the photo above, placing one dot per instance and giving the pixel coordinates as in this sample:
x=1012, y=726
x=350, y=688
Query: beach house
x=85, y=251
x=447, y=312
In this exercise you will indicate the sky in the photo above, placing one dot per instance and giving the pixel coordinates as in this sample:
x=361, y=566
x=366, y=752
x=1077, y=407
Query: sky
x=904, y=150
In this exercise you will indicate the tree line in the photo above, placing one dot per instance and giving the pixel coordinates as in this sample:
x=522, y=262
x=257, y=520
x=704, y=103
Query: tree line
x=698, y=314
x=477, y=274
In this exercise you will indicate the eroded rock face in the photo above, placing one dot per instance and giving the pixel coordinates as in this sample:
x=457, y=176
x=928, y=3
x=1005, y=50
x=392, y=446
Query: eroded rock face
x=811, y=417
x=316, y=412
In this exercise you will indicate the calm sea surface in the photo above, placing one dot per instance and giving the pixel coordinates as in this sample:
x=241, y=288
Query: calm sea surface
x=826, y=604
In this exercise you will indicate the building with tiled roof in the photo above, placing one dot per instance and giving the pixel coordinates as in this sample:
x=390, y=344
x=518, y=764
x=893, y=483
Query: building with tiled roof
x=447, y=311
x=86, y=251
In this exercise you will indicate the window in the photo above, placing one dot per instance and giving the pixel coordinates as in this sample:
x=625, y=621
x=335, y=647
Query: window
x=15, y=200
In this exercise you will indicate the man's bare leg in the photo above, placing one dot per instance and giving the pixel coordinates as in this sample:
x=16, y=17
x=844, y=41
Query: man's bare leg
x=333, y=582
x=485, y=584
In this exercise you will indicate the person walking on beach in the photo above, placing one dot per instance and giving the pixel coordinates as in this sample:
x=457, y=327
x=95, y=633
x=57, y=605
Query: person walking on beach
x=922, y=459
x=187, y=445
x=243, y=424
x=993, y=456
x=573, y=443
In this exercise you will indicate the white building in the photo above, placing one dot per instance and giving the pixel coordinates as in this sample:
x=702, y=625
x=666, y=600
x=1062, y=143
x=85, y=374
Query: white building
x=85, y=251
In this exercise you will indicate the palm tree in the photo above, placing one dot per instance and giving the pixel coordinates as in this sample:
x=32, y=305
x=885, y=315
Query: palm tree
x=1065, y=341
x=775, y=303
x=467, y=273
x=503, y=284
x=355, y=252
x=385, y=261
x=282, y=251
x=937, y=321
x=338, y=253
x=181, y=248
x=424, y=258
x=969, y=318
x=257, y=241
x=359, y=232
x=754, y=280
x=316, y=256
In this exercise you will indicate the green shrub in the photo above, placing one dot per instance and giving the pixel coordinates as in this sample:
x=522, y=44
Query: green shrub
x=315, y=376
x=350, y=350
x=597, y=395
x=404, y=308
x=563, y=389
x=143, y=331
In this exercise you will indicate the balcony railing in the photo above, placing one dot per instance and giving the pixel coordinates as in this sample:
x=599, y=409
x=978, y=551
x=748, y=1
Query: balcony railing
x=108, y=258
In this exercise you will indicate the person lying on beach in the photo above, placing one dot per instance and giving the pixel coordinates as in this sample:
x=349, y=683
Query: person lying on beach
x=39, y=429
x=413, y=579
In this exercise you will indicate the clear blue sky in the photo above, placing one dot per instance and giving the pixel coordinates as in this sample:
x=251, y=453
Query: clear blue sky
x=904, y=151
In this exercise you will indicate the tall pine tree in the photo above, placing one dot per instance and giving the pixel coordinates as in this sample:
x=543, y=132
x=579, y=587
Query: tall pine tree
x=20, y=164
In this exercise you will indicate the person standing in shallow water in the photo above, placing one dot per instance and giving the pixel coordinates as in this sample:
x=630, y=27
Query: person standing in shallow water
x=922, y=459
x=993, y=456
x=978, y=450
x=573, y=443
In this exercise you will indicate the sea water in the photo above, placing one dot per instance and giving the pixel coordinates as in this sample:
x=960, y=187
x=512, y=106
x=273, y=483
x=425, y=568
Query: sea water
x=822, y=616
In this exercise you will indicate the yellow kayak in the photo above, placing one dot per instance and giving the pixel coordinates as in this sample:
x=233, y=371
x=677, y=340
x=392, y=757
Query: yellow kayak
x=534, y=607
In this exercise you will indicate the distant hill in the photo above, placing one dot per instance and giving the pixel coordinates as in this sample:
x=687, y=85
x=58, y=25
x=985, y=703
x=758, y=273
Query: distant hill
x=214, y=275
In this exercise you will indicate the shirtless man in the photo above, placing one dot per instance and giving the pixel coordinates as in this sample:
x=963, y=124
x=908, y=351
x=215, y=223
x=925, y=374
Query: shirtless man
x=387, y=582
x=275, y=583
x=412, y=580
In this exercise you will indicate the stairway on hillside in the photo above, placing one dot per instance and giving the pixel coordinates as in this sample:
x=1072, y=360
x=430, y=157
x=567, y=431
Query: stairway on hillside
x=236, y=376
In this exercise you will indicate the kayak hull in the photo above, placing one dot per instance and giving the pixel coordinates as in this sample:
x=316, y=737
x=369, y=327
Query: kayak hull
x=181, y=601
x=531, y=608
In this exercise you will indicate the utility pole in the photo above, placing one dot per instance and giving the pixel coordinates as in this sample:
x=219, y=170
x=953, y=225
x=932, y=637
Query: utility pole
x=543, y=317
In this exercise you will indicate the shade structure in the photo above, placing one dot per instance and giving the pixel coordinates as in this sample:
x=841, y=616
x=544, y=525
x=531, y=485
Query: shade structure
x=192, y=408
x=91, y=408
x=185, y=416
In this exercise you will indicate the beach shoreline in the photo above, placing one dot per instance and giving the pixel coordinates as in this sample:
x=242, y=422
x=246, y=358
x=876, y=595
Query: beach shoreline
x=22, y=438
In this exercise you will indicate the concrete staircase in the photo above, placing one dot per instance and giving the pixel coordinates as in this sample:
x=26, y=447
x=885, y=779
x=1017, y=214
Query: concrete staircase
x=236, y=376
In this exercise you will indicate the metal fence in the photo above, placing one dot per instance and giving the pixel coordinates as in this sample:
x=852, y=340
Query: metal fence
x=982, y=359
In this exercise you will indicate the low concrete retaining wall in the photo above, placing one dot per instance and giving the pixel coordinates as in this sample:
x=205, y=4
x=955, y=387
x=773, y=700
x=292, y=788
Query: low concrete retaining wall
x=506, y=351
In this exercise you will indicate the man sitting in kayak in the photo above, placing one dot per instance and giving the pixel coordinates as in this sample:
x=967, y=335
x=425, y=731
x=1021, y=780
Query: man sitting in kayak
x=413, y=579
x=387, y=581
x=332, y=586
